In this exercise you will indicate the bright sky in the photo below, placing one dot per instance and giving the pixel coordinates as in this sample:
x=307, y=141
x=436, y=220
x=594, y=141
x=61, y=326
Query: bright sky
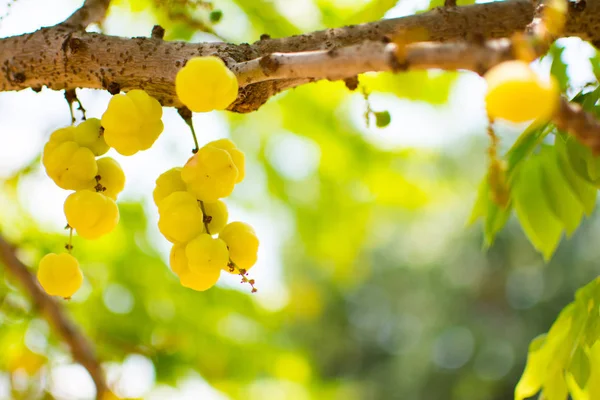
x=22, y=137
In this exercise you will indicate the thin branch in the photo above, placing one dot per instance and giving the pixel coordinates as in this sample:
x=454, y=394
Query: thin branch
x=61, y=58
x=81, y=349
x=373, y=56
x=90, y=12
x=571, y=118
x=489, y=20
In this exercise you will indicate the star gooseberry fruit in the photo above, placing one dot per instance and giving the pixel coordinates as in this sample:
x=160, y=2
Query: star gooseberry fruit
x=206, y=84
x=515, y=93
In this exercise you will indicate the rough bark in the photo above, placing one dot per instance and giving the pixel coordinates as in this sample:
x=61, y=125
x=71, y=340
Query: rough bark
x=62, y=58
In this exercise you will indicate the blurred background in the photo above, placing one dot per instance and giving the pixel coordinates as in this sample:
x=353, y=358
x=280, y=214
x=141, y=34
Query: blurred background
x=370, y=283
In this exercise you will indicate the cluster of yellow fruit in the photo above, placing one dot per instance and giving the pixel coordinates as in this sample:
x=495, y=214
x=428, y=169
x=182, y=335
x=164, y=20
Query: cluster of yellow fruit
x=131, y=123
x=516, y=93
x=187, y=198
x=190, y=213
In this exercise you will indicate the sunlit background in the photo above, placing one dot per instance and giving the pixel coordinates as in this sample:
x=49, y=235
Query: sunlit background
x=371, y=285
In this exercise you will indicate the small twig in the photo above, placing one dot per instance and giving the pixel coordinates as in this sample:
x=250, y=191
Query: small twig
x=71, y=97
x=186, y=114
x=242, y=272
x=571, y=118
x=81, y=349
x=158, y=32
x=90, y=12
x=368, y=110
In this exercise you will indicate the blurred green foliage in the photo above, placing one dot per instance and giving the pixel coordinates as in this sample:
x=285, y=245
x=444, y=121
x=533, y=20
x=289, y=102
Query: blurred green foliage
x=388, y=295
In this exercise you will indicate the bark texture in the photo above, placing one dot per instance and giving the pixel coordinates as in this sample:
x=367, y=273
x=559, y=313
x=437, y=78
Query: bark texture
x=61, y=57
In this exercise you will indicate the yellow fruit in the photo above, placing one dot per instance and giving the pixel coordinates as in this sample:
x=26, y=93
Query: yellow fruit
x=168, y=182
x=203, y=278
x=242, y=243
x=178, y=260
x=515, y=93
x=91, y=214
x=218, y=216
x=210, y=174
x=180, y=217
x=224, y=144
x=59, y=274
x=88, y=134
x=57, y=138
x=206, y=252
x=132, y=122
x=205, y=84
x=70, y=166
x=238, y=157
x=112, y=178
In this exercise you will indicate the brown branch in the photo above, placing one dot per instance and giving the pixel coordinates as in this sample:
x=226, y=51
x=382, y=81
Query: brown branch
x=373, y=56
x=81, y=349
x=60, y=58
x=90, y=12
x=489, y=20
x=571, y=118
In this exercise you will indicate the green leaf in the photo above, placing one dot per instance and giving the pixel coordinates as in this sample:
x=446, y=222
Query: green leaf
x=481, y=203
x=562, y=324
x=535, y=370
x=555, y=387
x=585, y=192
x=523, y=147
x=537, y=218
x=595, y=61
x=495, y=220
x=563, y=202
x=594, y=382
x=558, y=67
x=591, y=334
x=580, y=367
x=587, y=99
x=495, y=216
x=584, y=163
x=592, y=330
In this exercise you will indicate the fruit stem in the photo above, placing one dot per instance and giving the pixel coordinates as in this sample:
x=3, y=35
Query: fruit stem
x=368, y=110
x=205, y=218
x=186, y=115
x=196, y=146
x=496, y=170
x=242, y=272
x=71, y=97
x=69, y=246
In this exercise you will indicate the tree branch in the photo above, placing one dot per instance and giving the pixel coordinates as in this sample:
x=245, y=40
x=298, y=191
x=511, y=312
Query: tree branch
x=61, y=58
x=488, y=20
x=583, y=125
x=81, y=349
x=373, y=56
x=90, y=12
